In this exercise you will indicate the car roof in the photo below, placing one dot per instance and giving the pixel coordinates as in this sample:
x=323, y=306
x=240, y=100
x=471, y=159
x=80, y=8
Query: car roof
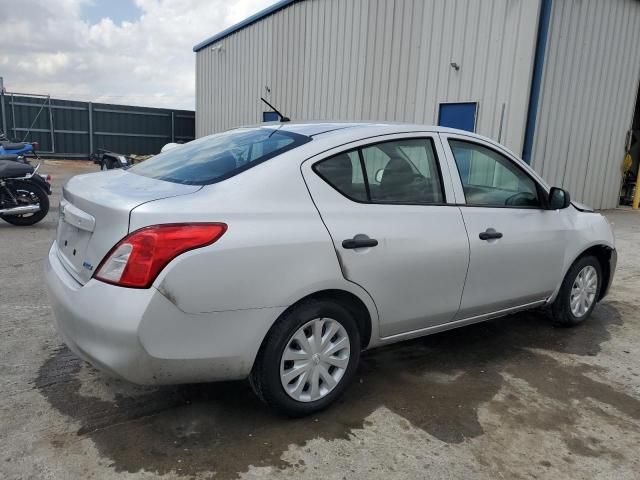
x=344, y=132
x=312, y=129
x=353, y=131
x=309, y=129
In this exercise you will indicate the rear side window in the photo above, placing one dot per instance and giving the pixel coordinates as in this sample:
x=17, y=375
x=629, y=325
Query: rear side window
x=217, y=157
x=397, y=172
x=344, y=173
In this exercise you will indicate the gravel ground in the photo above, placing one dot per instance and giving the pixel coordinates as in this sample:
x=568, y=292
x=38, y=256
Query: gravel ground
x=510, y=398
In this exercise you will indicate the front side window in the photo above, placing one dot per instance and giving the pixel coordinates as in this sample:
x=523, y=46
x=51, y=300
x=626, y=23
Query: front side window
x=216, y=157
x=491, y=179
x=400, y=171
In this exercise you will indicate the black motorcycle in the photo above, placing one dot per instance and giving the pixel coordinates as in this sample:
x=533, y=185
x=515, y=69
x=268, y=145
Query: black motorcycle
x=24, y=194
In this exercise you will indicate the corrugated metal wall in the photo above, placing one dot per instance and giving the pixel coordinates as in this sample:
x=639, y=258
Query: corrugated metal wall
x=64, y=128
x=590, y=80
x=374, y=60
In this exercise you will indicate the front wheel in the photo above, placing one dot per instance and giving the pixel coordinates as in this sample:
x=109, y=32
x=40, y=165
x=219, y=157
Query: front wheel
x=308, y=358
x=579, y=292
x=27, y=193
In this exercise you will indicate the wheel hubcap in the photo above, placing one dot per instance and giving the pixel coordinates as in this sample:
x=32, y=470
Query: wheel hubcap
x=583, y=292
x=315, y=359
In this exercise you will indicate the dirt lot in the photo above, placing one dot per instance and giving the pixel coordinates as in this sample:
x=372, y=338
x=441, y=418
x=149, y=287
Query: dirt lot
x=511, y=398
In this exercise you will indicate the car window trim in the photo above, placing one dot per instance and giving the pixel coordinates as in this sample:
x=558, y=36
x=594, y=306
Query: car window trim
x=363, y=167
x=540, y=190
x=359, y=148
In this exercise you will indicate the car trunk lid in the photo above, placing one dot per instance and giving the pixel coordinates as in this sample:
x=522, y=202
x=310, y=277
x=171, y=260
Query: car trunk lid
x=94, y=215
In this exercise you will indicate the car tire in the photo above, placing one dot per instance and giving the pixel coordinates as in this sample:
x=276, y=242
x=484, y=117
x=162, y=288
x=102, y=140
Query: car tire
x=307, y=392
x=31, y=219
x=582, y=283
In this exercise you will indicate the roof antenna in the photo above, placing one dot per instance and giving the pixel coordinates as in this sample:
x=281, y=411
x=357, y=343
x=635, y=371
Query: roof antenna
x=282, y=117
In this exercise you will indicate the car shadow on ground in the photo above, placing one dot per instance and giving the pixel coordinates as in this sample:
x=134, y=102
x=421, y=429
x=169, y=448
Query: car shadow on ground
x=437, y=383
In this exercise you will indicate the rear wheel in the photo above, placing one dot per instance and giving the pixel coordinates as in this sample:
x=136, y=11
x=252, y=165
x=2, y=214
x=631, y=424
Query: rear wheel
x=579, y=292
x=28, y=194
x=308, y=358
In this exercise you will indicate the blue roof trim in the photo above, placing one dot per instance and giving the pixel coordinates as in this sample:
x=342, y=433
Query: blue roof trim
x=245, y=23
x=536, y=82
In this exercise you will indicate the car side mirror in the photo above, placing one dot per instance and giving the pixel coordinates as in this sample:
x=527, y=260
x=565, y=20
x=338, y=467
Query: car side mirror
x=558, y=198
x=379, y=174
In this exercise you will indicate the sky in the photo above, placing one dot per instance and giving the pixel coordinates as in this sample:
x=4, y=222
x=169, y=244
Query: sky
x=132, y=52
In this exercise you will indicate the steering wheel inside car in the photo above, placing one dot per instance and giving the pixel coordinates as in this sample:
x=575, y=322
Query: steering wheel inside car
x=521, y=199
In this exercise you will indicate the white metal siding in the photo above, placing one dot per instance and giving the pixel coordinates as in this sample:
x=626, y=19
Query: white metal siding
x=375, y=60
x=590, y=80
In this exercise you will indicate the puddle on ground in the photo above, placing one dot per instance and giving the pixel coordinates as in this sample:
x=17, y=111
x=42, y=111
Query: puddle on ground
x=437, y=383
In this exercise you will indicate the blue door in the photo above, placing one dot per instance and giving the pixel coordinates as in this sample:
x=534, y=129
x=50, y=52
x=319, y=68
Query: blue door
x=270, y=117
x=458, y=115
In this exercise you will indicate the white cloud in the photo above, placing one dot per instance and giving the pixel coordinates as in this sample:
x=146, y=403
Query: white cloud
x=48, y=48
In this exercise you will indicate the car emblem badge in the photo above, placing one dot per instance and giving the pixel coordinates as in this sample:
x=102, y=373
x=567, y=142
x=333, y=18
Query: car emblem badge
x=87, y=265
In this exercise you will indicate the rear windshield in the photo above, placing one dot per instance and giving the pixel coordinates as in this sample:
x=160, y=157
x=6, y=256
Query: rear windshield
x=217, y=157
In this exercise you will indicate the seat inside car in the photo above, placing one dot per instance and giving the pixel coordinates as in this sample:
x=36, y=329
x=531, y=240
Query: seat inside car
x=342, y=177
x=403, y=183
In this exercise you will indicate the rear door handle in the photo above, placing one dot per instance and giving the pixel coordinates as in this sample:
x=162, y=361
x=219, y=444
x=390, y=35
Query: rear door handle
x=490, y=234
x=359, y=241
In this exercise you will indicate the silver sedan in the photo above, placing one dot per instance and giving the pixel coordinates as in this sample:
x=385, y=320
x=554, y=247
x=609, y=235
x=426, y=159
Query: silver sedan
x=279, y=252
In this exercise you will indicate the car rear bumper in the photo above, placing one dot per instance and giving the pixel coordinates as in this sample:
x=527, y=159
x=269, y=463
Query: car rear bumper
x=141, y=336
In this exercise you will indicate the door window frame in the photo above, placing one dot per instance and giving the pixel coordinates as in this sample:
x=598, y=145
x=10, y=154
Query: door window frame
x=541, y=187
x=443, y=167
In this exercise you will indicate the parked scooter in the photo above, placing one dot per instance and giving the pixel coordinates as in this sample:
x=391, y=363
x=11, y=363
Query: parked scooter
x=23, y=192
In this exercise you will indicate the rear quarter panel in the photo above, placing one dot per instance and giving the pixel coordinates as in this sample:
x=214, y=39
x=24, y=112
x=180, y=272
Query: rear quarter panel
x=276, y=249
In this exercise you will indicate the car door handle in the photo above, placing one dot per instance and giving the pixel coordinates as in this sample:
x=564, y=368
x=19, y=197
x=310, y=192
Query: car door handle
x=490, y=234
x=359, y=241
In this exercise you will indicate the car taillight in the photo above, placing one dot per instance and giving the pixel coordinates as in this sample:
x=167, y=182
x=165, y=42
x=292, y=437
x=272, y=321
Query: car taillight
x=35, y=145
x=138, y=258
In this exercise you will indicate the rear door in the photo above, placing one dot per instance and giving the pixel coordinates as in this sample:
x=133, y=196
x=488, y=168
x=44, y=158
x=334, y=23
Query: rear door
x=516, y=245
x=389, y=207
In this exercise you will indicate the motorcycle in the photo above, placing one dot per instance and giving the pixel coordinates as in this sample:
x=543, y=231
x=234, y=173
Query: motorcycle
x=109, y=160
x=22, y=149
x=24, y=193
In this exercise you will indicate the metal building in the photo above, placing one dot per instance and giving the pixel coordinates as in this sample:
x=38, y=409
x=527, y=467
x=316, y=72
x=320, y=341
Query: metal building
x=554, y=80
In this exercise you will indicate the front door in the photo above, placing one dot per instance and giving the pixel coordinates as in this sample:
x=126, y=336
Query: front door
x=516, y=245
x=385, y=206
